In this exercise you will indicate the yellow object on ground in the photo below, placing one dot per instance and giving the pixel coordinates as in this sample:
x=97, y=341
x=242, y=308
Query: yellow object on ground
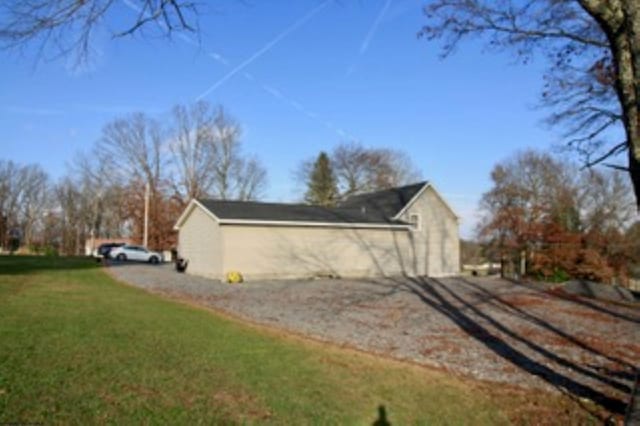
x=234, y=277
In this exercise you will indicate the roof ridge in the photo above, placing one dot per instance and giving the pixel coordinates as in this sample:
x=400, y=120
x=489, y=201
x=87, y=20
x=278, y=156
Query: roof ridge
x=216, y=200
x=379, y=191
x=393, y=188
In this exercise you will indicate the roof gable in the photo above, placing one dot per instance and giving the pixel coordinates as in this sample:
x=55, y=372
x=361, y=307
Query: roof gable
x=388, y=202
x=193, y=204
x=446, y=205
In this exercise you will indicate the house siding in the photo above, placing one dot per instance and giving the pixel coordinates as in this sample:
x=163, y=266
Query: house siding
x=264, y=252
x=436, y=243
x=299, y=250
x=199, y=242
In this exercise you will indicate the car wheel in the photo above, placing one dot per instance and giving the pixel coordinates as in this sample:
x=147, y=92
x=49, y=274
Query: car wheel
x=121, y=257
x=154, y=260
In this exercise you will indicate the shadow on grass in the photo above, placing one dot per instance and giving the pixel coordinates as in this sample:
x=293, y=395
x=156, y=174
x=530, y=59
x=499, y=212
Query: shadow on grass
x=26, y=264
x=382, y=419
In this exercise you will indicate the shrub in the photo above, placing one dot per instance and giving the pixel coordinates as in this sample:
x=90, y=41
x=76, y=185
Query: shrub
x=50, y=251
x=558, y=275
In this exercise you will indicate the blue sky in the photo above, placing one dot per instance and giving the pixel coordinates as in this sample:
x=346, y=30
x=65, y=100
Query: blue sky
x=300, y=77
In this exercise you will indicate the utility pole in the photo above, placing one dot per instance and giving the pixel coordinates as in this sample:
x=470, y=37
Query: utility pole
x=146, y=215
x=94, y=219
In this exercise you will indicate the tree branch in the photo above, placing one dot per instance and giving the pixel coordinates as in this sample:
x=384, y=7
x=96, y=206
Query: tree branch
x=616, y=167
x=613, y=151
x=593, y=134
x=479, y=18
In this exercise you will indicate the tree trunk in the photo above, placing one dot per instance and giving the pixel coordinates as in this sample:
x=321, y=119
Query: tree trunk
x=627, y=58
x=620, y=21
x=634, y=172
x=632, y=11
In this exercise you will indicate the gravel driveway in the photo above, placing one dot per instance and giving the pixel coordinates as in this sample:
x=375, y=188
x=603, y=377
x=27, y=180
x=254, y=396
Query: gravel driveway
x=487, y=328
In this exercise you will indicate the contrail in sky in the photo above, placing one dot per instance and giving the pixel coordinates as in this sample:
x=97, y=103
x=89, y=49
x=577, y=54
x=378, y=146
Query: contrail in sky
x=367, y=39
x=278, y=94
x=32, y=110
x=264, y=49
x=365, y=43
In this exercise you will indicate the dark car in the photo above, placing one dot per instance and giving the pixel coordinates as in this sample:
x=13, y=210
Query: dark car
x=104, y=249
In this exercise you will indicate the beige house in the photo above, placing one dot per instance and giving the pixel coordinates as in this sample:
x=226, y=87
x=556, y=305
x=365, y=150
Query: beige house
x=408, y=230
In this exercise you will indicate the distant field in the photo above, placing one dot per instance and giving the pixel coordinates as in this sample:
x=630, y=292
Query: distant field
x=78, y=347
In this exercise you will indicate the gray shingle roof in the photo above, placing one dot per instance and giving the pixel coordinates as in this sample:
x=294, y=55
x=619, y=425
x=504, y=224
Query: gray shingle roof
x=387, y=202
x=372, y=208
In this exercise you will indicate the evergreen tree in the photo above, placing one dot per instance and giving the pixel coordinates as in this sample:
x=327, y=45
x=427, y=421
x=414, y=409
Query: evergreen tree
x=322, y=187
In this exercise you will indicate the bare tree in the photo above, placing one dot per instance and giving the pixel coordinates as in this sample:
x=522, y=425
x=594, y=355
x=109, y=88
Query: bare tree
x=605, y=201
x=132, y=146
x=23, y=200
x=235, y=176
x=201, y=147
x=593, y=51
x=90, y=199
x=350, y=162
x=34, y=190
x=389, y=168
x=133, y=149
x=71, y=229
x=360, y=169
x=103, y=192
x=9, y=196
x=252, y=179
x=67, y=26
x=198, y=154
x=191, y=144
x=207, y=156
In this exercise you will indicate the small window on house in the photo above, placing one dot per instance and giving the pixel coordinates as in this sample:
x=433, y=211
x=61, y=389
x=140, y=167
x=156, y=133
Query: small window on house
x=414, y=220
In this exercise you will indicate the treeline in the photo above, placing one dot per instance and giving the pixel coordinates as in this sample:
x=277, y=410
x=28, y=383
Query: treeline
x=552, y=220
x=196, y=153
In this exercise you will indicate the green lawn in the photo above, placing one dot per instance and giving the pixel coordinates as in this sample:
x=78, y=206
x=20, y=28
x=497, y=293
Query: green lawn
x=78, y=347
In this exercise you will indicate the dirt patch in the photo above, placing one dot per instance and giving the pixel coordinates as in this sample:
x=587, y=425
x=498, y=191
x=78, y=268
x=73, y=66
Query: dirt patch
x=234, y=402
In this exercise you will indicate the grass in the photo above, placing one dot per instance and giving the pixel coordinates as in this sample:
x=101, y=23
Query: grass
x=78, y=347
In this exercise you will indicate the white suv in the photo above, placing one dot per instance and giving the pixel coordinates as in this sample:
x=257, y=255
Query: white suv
x=135, y=253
